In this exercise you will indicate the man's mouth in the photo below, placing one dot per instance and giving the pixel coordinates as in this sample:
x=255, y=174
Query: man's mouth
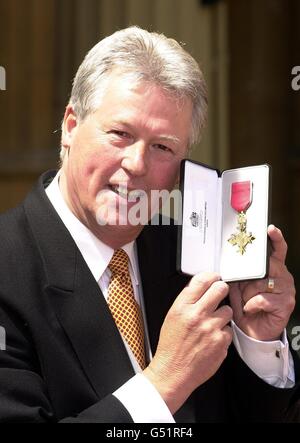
x=126, y=193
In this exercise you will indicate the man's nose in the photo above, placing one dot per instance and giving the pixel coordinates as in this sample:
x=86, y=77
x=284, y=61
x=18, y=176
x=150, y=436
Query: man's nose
x=135, y=158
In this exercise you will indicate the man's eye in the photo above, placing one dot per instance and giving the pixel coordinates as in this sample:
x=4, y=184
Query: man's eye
x=162, y=147
x=122, y=134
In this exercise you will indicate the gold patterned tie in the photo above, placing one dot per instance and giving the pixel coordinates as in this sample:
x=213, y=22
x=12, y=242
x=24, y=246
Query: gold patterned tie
x=125, y=310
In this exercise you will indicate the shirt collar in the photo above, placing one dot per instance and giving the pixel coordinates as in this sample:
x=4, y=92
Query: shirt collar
x=96, y=253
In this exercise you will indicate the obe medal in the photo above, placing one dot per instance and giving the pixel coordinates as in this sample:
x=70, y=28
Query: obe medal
x=241, y=199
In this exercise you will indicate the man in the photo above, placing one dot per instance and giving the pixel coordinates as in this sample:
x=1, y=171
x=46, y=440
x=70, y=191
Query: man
x=88, y=342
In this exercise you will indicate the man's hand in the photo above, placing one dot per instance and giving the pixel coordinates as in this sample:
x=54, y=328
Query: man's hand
x=260, y=314
x=193, y=342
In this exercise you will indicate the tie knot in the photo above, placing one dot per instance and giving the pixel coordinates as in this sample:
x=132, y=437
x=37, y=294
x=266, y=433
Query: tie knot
x=119, y=262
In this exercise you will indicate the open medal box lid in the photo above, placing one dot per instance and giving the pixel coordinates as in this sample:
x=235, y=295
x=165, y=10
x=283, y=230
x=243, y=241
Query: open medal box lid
x=224, y=221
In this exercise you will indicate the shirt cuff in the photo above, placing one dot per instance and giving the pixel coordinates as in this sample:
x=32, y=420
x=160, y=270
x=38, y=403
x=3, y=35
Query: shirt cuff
x=271, y=361
x=143, y=402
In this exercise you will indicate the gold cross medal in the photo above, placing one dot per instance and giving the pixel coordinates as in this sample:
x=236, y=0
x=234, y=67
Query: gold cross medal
x=241, y=199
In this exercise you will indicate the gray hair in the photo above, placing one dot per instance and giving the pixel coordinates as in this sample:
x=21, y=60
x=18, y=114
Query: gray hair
x=147, y=56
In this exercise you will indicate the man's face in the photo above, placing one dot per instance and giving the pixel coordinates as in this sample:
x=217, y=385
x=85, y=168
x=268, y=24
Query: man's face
x=135, y=140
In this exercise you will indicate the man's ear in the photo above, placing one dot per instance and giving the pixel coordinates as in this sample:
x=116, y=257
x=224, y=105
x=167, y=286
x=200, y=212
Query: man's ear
x=69, y=126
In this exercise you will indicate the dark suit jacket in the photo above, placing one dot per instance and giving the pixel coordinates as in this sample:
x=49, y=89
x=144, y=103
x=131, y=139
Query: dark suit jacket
x=64, y=355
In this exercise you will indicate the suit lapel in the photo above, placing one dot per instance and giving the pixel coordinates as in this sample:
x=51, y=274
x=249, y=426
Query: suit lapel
x=87, y=321
x=76, y=297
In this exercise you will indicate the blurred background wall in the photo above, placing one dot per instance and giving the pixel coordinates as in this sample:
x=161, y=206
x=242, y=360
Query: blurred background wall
x=247, y=49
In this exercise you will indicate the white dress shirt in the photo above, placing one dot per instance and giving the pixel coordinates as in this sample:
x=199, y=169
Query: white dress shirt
x=269, y=360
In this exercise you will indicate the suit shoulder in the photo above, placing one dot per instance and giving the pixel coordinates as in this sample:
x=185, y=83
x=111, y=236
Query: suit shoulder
x=13, y=230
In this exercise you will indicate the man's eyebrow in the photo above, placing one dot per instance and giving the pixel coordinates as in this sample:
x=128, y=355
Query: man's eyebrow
x=170, y=138
x=166, y=137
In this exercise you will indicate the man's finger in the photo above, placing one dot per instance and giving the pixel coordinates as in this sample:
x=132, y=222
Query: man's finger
x=277, y=268
x=213, y=296
x=261, y=286
x=263, y=303
x=199, y=284
x=279, y=245
x=222, y=316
